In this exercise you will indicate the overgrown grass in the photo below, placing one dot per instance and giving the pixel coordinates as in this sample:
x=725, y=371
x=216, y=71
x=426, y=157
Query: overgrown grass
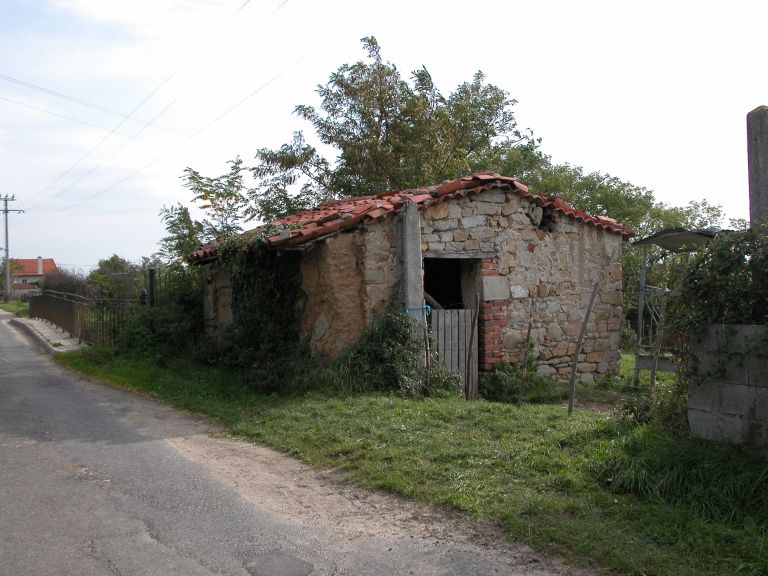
x=16, y=307
x=630, y=499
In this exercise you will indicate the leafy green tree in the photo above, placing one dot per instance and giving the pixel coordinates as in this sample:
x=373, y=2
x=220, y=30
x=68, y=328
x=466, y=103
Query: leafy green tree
x=117, y=278
x=222, y=198
x=387, y=134
x=184, y=234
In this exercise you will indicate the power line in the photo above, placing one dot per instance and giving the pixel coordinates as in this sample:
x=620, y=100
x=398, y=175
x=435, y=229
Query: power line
x=105, y=160
x=144, y=101
x=83, y=122
x=77, y=101
x=194, y=134
x=210, y=123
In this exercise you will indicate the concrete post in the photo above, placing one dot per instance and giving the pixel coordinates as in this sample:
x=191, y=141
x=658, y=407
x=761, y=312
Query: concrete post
x=757, y=153
x=413, y=282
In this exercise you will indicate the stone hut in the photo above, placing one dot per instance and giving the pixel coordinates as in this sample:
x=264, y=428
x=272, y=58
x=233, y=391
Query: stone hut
x=482, y=242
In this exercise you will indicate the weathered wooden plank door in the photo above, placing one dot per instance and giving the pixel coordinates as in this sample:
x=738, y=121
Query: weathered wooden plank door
x=455, y=340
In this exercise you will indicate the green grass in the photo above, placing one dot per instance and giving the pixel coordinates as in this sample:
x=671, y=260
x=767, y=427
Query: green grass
x=628, y=499
x=15, y=307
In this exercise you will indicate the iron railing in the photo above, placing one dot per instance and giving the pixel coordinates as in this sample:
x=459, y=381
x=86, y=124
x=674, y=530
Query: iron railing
x=94, y=321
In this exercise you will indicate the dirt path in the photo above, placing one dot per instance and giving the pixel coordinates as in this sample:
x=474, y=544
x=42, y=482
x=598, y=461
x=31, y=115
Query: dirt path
x=285, y=486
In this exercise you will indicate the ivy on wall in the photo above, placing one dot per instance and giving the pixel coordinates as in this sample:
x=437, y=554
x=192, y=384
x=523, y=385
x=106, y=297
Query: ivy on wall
x=266, y=301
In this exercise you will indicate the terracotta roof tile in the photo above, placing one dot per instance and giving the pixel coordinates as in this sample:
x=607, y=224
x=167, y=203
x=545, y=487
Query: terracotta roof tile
x=331, y=217
x=28, y=266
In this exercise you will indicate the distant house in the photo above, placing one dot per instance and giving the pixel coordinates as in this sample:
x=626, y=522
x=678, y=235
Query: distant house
x=26, y=274
x=483, y=244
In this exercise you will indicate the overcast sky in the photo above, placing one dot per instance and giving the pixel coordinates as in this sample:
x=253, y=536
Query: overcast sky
x=103, y=103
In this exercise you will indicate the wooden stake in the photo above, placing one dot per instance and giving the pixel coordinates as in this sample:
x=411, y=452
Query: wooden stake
x=572, y=395
x=524, y=379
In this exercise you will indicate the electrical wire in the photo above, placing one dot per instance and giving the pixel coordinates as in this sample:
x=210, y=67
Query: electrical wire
x=79, y=101
x=83, y=122
x=206, y=126
x=137, y=107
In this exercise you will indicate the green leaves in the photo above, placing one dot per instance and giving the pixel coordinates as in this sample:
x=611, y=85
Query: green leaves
x=385, y=134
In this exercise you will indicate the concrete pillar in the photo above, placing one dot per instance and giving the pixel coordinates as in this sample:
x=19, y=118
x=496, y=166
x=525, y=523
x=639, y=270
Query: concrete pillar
x=757, y=153
x=410, y=250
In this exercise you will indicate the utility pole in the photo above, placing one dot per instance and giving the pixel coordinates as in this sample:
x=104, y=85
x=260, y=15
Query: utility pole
x=5, y=199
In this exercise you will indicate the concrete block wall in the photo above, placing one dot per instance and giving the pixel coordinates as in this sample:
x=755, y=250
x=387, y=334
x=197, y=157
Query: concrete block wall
x=728, y=387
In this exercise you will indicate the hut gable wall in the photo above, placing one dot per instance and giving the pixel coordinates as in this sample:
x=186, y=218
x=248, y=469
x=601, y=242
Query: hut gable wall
x=347, y=279
x=526, y=255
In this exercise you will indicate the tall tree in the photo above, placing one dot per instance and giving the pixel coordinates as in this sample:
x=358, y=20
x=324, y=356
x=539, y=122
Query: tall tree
x=387, y=134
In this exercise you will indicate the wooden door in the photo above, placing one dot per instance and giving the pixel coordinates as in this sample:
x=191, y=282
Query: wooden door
x=455, y=340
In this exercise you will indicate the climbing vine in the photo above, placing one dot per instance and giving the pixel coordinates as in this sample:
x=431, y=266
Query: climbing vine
x=724, y=284
x=266, y=301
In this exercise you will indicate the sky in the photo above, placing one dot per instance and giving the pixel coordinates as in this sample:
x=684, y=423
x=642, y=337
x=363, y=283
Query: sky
x=104, y=103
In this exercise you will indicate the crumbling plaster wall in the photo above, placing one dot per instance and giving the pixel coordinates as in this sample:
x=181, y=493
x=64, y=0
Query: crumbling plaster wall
x=347, y=278
x=520, y=261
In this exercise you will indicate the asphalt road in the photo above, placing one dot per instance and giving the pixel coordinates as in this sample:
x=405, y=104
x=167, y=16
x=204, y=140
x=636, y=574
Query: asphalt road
x=91, y=485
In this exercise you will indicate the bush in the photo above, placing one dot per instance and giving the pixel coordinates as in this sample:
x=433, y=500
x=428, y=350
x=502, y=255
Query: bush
x=503, y=384
x=389, y=357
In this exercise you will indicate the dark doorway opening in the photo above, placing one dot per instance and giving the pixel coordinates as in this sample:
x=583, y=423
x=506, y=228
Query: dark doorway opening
x=452, y=282
x=442, y=281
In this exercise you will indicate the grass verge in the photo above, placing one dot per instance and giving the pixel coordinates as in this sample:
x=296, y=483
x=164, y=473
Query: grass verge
x=15, y=307
x=567, y=486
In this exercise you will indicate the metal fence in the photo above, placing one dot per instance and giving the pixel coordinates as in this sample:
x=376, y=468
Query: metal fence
x=95, y=321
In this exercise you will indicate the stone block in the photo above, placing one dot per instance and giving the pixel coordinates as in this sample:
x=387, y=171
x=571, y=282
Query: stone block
x=472, y=221
x=454, y=246
x=447, y=224
x=554, y=332
x=508, y=209
x=430, y=238
x=495, y=288
x=487, y=209
x=472, y=244
x=482, y=232
x=454, y=210
x=546, y=371
x=703, y=423
x=758, y=371
x=586, y=367
x=460, y=235
x=704, y=396
x=436, y=246
x=519, y=291
x=572, y=330
x=438, y=211
x=446, y=236
x=737, y=400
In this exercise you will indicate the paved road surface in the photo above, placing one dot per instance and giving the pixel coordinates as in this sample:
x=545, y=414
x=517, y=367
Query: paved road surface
x=91, y=484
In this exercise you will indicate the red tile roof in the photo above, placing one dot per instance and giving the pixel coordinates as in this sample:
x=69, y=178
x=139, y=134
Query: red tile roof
x=331, y=217
x=28, y=266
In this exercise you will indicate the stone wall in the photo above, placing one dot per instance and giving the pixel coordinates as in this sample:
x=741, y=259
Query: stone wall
x=527, y=255
x=347, y=278
x=728, y=385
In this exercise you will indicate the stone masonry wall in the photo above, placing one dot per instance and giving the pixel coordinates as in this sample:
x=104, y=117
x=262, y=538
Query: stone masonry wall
x=728, y=387
x=522, y=261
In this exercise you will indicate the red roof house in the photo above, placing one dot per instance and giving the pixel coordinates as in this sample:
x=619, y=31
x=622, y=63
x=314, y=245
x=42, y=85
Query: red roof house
x=482, y=244
x=26, y=274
